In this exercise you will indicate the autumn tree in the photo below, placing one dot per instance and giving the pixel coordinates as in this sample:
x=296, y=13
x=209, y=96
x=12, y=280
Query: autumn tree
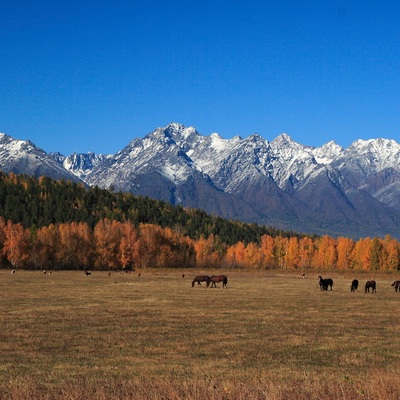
x=46, y=245
x=107, y=240
x=75, y=246
x=234, y=256
x=391, y=254
x=127, y=248
x=253, y=256
x=2, y=240
x=16, y=244
x=267, y=251
x=293, y=253
x=209, y=252
x=361, y=254
x=306, y=252
x=280, y=251
x=376, y=255
x=344, y=248
x=148, y=245
x=325, y=254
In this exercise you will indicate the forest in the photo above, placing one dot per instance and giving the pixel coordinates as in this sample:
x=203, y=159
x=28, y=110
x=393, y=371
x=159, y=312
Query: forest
x=48, y=224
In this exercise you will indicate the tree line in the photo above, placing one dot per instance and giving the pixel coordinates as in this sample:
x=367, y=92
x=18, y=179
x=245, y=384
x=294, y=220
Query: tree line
x=39, y=202
x=73, y=227
x=114, y=245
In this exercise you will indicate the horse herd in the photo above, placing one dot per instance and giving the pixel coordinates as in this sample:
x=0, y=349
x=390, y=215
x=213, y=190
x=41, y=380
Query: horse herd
x=210, y=279
x=324, y=284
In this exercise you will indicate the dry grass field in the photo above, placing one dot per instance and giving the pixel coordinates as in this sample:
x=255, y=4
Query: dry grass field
x=269, y=335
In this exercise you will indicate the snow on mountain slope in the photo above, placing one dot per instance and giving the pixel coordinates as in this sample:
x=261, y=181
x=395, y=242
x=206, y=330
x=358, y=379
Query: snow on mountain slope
x=23, y=157
x=281, y=182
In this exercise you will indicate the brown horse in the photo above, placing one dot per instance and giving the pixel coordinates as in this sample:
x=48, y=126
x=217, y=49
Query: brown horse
x=201, y=278
x=370, y=285
x=219, y=278
x=396, y=285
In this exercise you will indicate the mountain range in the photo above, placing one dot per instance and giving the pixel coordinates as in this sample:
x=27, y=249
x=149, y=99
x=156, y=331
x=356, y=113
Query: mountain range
x=353, y=192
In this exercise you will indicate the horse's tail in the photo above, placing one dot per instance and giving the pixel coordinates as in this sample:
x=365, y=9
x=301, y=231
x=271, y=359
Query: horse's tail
x=225, y=281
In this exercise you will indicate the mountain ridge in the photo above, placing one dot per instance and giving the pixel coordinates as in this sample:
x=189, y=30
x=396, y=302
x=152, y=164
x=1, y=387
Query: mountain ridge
x=339, y=191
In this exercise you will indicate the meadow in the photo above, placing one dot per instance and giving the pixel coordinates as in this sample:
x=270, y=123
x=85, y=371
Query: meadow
x=269, y=335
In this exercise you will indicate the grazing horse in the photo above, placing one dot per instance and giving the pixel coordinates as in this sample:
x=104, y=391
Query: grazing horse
x=324, y=283
x=354, y=285
x=87, y=273
x=396, y=285
x=219, y=278
x=201, y=278
x=370, y=285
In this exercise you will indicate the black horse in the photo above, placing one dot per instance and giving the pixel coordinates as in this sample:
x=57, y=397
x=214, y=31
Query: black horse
x=396, y=285
x=354, y=285
x=370, y=285
x=325, y=283
x=201, y=278
x=219, y=278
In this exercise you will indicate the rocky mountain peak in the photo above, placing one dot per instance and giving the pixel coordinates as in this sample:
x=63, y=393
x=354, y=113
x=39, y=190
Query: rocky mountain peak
x=327, y=189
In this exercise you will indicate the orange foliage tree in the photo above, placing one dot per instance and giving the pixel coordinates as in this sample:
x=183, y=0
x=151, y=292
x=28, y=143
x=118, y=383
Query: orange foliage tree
x=107, y=240
x=267, y=251
x=16, y=245
x=75, y=250
x=280, y=251
x=325, y=255
x=391, y=254
x=158, y=247
x=253, y=256
x=46, y=245
x=293, y=259
x=234, y=256
x=122, y=245
x=2, y=240
x=127, y=247
x=306, y=251
x=210, y=252
x=344, y=248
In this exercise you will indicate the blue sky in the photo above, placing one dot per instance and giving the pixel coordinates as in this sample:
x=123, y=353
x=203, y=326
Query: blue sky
x=79, y=76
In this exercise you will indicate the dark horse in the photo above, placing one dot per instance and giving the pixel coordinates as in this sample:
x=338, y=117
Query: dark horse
x=396, y=285
x=219, y=278
x=201, y=278
x=324, y=283
x=370, y=285
x=354, y=285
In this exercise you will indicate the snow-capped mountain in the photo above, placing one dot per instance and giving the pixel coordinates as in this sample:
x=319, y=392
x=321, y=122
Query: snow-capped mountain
x=81, y=165
x=351, y=192
x=23, y=157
